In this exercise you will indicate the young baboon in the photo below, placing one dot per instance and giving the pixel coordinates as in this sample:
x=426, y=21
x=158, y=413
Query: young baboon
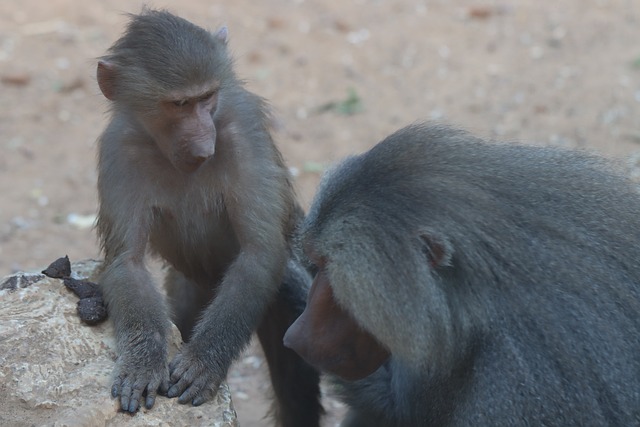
x=466, y=283
x=188, y=170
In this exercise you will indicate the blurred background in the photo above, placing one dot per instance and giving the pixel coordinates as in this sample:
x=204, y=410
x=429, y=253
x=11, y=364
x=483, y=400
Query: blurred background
x=341, y=75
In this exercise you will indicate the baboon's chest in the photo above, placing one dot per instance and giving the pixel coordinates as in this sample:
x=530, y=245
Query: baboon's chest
x=194, y=240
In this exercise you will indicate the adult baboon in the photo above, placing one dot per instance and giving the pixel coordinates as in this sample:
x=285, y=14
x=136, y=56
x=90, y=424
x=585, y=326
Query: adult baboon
x=464, y=283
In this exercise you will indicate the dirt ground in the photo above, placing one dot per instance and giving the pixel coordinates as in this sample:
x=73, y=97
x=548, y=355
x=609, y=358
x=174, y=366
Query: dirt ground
x=341, y=75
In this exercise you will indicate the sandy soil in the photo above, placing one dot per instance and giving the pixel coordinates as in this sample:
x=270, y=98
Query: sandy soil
x=564, y=73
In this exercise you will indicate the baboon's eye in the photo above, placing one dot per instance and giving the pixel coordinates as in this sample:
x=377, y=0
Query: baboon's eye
x=207, y=96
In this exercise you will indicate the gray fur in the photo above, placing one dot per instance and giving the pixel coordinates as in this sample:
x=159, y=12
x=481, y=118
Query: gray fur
x=534, y=318
x=163, y=52
x=223, y=229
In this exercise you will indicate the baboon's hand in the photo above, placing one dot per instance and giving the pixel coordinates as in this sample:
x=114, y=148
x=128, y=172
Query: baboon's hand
x=192, y=378
x=140, y=372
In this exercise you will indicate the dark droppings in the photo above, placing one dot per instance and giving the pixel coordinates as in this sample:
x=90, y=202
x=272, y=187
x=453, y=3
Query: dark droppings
x=59, y=268
x=91, y=308
x=82, y=288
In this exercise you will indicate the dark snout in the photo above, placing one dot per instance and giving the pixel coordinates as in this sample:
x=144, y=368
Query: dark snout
x=294, y=338
x=202, y=149
x=197, y=149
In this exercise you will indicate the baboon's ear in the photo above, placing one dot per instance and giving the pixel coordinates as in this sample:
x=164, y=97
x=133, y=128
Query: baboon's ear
x=106, y=76
x=437, y=249
x=222, y=34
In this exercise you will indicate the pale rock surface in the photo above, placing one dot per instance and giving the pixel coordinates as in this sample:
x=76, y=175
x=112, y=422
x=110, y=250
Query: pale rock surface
x=56, y=370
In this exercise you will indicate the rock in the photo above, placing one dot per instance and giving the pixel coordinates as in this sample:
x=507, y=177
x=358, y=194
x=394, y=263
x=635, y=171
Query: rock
x=56, y=371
